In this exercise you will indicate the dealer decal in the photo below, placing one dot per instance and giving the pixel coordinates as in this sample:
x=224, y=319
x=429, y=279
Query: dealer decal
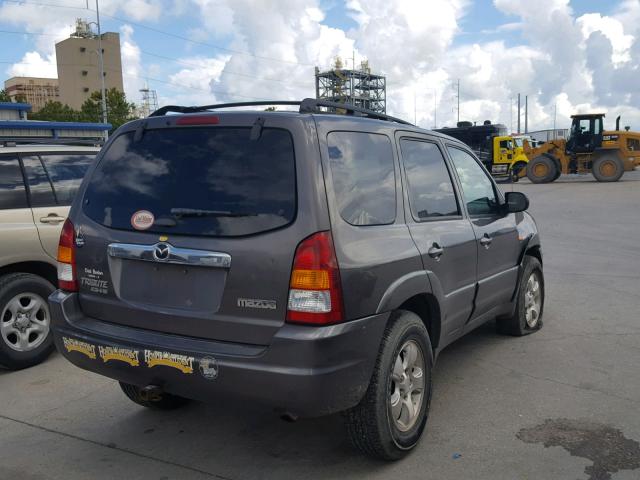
x=209, y=368
x=73, y=345
x=142, y=219
x=92, y=279
x=173, y=360
x=125, y=355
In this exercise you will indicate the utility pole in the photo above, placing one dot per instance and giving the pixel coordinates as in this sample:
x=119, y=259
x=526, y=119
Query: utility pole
x=518, y=113
x=435, y=108
x=415, y=109
x=511, y=112
x=101, y=57
x=458, y=100
x=526, y=113
x=555, y=111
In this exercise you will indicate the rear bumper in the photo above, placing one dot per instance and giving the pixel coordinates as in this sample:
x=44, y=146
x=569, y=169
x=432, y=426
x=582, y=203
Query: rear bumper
x=307, y=371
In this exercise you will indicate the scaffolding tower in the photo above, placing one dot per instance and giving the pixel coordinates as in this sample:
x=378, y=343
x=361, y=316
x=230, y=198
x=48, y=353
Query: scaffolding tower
x=360, y=88
x=149, y=101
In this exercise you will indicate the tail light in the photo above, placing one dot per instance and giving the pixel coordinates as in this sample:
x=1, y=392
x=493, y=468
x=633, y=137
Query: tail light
x=315, y=294
x=67, y=279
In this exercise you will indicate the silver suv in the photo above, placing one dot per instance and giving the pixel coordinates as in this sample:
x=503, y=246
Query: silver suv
x=37, y=186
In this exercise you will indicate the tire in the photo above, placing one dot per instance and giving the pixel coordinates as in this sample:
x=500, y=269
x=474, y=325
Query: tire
x=523, y=321
x=607, y=168
x=158, y=401
x=372, y=425
x=542, y=169
x=25, y=320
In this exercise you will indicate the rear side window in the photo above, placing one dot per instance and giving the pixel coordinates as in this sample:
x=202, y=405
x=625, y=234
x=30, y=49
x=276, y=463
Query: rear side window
x=40, y=187
x=54, y=179
x=363, y=177
x=12, y=191
x=66, y=173
x=200, y=181
x=431, y=193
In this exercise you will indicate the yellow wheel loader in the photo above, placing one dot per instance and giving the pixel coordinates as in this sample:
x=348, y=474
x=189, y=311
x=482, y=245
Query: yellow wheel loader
x=589, y=149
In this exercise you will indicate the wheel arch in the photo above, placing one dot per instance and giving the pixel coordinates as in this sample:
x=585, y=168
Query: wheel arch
x=413, y=292
x=426, y=306
x=42, y=269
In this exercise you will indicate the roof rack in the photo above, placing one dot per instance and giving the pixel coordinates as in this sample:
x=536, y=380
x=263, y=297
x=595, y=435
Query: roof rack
x=308, y=105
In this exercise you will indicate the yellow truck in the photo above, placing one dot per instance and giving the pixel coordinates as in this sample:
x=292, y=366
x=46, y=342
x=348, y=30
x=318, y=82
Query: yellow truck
x=502, y=154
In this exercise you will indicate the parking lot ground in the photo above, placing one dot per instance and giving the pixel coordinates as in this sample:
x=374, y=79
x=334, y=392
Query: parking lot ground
x=563, y=403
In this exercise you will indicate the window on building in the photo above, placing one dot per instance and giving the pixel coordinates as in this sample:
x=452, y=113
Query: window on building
x=85, y=89
x=83, y=49
x=84, y=73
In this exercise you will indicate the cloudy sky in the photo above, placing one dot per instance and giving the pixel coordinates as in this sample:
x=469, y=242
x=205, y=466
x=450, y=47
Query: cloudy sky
x=576, y=56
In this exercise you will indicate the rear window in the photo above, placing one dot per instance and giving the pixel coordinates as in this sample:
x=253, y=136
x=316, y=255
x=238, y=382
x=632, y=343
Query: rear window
x=195, y=181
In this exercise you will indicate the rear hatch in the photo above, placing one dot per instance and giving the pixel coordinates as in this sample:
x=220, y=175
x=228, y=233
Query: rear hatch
x=191, y=230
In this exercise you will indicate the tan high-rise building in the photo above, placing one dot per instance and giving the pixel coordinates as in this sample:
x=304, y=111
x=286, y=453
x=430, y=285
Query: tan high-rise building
x=79, y=65
x=34, y=90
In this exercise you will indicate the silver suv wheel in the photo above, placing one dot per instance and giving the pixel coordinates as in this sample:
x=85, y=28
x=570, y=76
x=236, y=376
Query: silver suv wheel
x=532, y=300
x=407, y=386
x=24, y=323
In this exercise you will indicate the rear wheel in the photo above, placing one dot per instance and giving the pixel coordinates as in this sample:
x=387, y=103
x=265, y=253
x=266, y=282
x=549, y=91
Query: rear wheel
x=151, y=399
x=608, y=168
x=390, y=419
x=25, y=334
x=527, y=317
x=542, y=169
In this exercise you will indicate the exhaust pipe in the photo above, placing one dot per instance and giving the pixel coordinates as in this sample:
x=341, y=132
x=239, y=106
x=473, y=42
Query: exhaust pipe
x=618, y=123
x=151, y=393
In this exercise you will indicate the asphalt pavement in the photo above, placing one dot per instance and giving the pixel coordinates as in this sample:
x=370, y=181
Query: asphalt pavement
x=563, y=403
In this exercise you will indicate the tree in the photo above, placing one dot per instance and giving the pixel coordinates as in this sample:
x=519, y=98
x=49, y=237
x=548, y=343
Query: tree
x=119, y=111
x=4, y=96
x=56, y=112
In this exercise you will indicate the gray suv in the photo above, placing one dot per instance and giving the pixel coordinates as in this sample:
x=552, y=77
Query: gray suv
x=314, y=262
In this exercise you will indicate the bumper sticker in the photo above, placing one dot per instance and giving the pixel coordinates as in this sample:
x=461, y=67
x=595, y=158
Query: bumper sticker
x=73, y=345
x=208, y=367
x=173, y=360
x=126, y=355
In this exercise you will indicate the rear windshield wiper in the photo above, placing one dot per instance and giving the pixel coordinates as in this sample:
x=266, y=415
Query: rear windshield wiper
x=196, y=212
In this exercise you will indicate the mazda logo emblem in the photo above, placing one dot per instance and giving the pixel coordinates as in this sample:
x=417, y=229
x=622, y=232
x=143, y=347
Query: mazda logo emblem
x=161, y=252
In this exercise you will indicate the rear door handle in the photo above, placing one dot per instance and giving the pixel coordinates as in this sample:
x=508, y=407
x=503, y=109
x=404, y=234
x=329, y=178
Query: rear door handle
x=486, y=240
x=52, y=218
x=435, y=251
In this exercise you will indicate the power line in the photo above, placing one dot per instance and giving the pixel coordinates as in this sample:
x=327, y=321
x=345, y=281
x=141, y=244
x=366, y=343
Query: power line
x=157, y=80
x=179, y=61
x=163, y=32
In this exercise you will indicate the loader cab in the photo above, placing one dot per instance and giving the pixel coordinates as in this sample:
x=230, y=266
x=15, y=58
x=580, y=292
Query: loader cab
x=586, y=133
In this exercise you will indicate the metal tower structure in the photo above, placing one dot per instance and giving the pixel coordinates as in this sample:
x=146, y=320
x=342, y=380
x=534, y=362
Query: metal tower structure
x=360, y=88
x=149, y=101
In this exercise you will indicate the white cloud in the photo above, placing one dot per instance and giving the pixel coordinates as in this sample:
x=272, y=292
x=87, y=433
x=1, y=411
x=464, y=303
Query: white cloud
x=33, y=64
x=611, y=28
x=132, y=71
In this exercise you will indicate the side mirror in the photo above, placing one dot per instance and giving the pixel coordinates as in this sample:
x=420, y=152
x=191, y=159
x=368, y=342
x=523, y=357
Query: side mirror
x=516, y=202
